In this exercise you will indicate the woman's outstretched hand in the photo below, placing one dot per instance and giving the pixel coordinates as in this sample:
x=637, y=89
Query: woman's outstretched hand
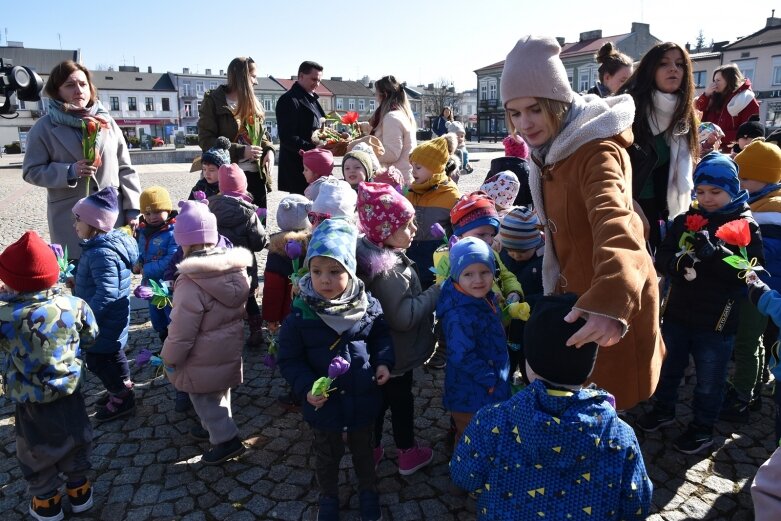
x=604, y=331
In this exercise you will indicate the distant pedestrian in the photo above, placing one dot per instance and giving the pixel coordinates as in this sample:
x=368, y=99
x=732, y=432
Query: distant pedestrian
x=211, y=161
x=439, y=125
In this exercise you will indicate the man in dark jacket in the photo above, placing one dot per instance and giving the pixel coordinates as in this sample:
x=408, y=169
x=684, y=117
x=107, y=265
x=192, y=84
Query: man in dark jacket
x=298, y=115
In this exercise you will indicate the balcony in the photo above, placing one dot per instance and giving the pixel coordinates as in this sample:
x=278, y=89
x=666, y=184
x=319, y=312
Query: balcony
x=489, y=103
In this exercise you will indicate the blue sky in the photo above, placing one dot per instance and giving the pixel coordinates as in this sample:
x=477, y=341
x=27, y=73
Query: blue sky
x=417, y=41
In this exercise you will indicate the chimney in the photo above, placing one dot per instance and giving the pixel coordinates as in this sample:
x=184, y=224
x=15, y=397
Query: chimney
x=773, y=21
x=149, y=69
x=561, y=40
x=222, y=72
x=208, y=72
x=185, y=70
x=641, y=28
x=688, y=47
x=336, y=78
x=591, y=35
x=11, y=43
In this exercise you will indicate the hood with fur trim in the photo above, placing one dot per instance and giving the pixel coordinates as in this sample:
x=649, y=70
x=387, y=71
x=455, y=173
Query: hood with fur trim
x=209, y=268
x=373, y=260
x=278, y=240
x=741, y=99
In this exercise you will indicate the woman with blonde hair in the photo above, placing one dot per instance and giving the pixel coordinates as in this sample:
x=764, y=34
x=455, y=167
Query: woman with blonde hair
x=233, y=111
x=394, y=125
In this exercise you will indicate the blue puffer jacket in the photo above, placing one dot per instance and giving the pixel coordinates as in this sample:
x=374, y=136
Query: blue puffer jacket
x=103, y=281
x=156, y=248
x=477, y=357
x=305, y=353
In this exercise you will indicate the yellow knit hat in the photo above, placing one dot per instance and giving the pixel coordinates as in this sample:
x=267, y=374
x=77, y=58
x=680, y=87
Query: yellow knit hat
x=760, y=161
x=156, y=199
x=431, y=154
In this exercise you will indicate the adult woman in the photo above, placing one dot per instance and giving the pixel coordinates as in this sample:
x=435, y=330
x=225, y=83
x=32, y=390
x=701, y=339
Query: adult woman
x=594, y=240
x=615, y=68
x=394, y=125
x=440, y=124
x=55, y=158
x=665, y=147
x=230, y=110
x=728, y=102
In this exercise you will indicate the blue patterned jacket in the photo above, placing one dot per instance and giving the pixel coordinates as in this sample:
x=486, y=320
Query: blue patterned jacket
x=156, y=248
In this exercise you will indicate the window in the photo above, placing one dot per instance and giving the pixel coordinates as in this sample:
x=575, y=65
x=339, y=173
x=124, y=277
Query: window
x=747, y=68
x=351, y=104
x=492, y=90
x=339, y=104
x=150, y=104
x=131, y=103
x=371, y=105
x=570, y=76
x=166, y=105
x=267, y=104
x=699, y=78
x=213, y=85
x=361, y=105
x=199, y=88
x=114, y=102
x=186, y=88
x=585, y=75
x=483, y=89
x=776, y=70
x=187, y=110
x=773, y=114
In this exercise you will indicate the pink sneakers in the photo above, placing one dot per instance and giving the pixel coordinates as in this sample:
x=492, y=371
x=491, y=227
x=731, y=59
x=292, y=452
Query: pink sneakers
x=414, y=458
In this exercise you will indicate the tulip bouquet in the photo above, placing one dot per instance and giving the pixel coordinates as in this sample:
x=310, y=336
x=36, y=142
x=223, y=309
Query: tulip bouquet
x=90, y=129
x=270, y=359
x=157, y=293
x=66, y=268
x=737, y=233
x=337, y=367
x=693, y=224
x=294, y=251
x=254, y=131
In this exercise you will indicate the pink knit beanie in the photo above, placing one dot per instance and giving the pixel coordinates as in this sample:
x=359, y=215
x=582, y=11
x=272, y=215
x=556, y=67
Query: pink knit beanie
x=533, y=69
x=100, y=210
x=515, y=146
x=232, y=179
x=382, y=210
x=318, y=160
x=195, y=224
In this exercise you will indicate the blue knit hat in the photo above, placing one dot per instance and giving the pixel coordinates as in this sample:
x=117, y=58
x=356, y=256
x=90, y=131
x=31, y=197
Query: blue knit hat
x=100, y=210
x=218, y=154
x=716, y=169
x=336, y=239
x=468, y=251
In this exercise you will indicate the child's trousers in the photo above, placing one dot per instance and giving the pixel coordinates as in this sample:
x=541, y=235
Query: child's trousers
x=749, y=350
x=214, y=410
x=111, y=368
x=160, y=317
x=328, y=450
x=397, y=396
x=53, y=438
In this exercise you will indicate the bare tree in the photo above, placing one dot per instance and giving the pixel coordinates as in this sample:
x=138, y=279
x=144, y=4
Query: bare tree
x=437, y=96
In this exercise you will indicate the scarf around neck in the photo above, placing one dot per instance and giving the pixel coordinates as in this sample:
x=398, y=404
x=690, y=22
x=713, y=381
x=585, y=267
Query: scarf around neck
x=340, y=314
x=437, y=179
x=63, y=114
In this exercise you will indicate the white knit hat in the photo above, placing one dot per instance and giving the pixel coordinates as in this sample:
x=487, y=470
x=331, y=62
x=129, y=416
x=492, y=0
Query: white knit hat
x=533, y=69
x=336, y=198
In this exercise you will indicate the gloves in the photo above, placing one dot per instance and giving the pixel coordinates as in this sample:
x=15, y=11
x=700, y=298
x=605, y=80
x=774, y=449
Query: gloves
x=703, y=248
x=756, y=288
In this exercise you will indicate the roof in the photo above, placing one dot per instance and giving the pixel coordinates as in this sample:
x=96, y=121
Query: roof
x=347, y=88
x=704, y=55
x=41, y=61
x=267, y=84
x=590, y=46
x=320, y=91
x=497, y=65
x=765, y=36
x=116, y=80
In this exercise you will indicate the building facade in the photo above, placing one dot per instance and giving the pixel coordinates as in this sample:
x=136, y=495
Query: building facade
x=190, y=89
x=350, y=95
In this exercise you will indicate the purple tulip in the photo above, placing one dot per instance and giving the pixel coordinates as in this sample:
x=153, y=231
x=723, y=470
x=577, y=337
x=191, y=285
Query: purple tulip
x=261, y=213
x=57, y=249
x=143, y=292
x=199, y=195
x=143, y=357
x=337, y=367
x=437, y=231
x=453, y=240
x=270, y=361
x=293, y=249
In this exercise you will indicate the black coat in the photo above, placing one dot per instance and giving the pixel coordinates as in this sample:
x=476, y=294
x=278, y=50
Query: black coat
x=298, y=115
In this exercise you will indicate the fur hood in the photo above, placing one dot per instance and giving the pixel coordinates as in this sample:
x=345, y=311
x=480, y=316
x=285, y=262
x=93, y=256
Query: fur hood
x=220, y=273
x=278, y=240
x=373, y=260
x=741, y=99
x=216, y=260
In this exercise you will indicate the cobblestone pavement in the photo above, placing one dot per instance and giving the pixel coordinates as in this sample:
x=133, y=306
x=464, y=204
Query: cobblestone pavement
x=147, y=467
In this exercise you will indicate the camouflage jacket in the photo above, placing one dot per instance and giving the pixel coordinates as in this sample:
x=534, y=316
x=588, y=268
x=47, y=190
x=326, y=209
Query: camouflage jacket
x=41, y=337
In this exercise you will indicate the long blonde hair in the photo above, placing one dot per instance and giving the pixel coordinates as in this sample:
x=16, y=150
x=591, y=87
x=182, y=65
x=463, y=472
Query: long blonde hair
x=240, y=83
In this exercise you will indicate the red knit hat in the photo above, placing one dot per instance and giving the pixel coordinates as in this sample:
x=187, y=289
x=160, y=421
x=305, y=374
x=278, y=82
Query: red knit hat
x=473, y=210
x=232, y=179
x=29, y=264
x=382, y=210
x=318, y=160
x=515, y=146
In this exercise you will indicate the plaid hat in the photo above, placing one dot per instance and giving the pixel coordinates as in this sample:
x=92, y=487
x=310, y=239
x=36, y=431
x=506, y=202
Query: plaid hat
x=232, y=179
x=100, y=210
x=335, y=198
x=218, y=154
x=292, y=213
x=318, y=160
x=751, y=129
x=364, y=159
x=468, y=251
x=195, y=224
x=382, y=210
x=760, y=161
x=545, y=342
x=716, y=169
x=520, y=229
x=336, y=239
x=503, y=188
x=29, y=264
x=515, y=146
x=431, y=154
x=474, y=210
x=533, y=69
x=155, y=199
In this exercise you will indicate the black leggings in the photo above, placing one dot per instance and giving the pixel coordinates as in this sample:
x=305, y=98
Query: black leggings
x=256, y=186
x=111, y=368
x=397, y=396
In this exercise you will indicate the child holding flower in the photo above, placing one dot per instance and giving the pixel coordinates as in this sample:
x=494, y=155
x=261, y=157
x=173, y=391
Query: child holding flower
x=332, y=317
x=700, y=318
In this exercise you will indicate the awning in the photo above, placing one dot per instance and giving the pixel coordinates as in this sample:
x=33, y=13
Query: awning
x=143, y=121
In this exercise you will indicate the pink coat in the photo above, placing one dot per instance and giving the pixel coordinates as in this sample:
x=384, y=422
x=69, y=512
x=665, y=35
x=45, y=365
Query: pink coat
x=206, y=334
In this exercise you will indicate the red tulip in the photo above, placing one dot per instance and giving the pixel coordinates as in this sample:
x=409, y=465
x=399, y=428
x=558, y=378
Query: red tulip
x=350, y=118
x=736, y=233
x=695, y=222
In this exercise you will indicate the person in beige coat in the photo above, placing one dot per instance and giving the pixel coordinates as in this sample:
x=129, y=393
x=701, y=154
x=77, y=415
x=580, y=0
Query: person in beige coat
x=581, y=183
x=394, y=125
x=54, y=158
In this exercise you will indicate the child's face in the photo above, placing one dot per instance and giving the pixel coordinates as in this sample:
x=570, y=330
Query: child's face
x=520, y=255
x=743, y=142
x=402, y=238
x=155, y=218
x=83, y=230
x=711, y=198
x=210, y=173
x=420, y=173
x=354, y=172
x=329, y=277
x=476, y=280
x=752, y=185
x=461, y=137
x=310, y=176
x=486, y=233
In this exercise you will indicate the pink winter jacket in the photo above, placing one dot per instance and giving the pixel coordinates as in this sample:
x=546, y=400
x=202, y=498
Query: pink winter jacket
x=206, y=334
x=766, y=489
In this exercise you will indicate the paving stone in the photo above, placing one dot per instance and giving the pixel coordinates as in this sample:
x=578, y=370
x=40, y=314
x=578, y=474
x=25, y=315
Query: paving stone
x=147, y=494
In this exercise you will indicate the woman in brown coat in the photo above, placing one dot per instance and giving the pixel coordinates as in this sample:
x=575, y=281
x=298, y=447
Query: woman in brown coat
x=581, y=183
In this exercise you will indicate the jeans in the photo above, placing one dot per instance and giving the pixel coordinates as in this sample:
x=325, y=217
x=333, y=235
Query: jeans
x=111, y=368
x=397, y=396
x=749, y=351
x=160, y=317
x=711, y=351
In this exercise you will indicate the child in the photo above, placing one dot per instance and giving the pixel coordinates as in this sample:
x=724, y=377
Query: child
x=392, y=176
x=41, y=334
x=237, y=220
x=555, y=450
x=503, y=188
x=333, y=316
x=387, y=219
x=203, y=350
x=453, y=165
x=318, y=164
x=211, y=161
x=156, y=248
x=357, y=168
x=432, y=195
x=516, y=155
x=457, y=128
x=103, y=281
x=700, y=318
x=335, y=200
x=748, y=132
x=477, y=367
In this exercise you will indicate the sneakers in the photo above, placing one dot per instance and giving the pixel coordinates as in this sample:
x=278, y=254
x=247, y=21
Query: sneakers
x=734, y=409
x=116, y=407
x=80, y=497
x=379, y=452
x=182, y=402
x=437, y=361
x=199, y=433
x=694, y=440
x=49, y=509
x=654, y=420
x=414, y=458
x=328, y=508
x=369, y=505
x=223, y=452
x=103, y=400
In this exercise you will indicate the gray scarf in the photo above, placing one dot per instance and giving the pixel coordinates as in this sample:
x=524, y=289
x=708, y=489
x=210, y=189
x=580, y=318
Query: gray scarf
x=339, y=314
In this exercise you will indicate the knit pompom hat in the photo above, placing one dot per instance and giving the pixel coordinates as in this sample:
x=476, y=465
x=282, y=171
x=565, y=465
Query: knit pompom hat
x=232, y=179
x=364, y=159
x=520, y=229
x=533, y=69
x=336, y=199
x=382, y=210
x=474, y=210
x=368, y=150
x=29, y=264
x=717, y=169
x=515, y=146
x=336, y=239
x=195, y=224
x=155, y=199
x=318, y=160
x=751, y=129
x=503, y=188
x=218, y=154
x=468, y=251
x=431, y=154
x=100, y=210
x=760, y=161
x=292, y=213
